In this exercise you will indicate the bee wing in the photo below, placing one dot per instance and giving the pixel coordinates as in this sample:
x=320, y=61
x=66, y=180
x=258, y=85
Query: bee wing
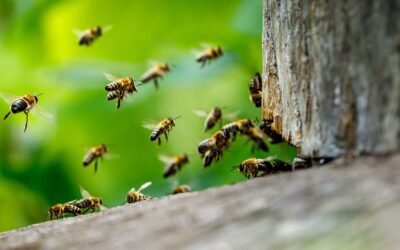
x=39, y=111
x=271, y=157
x=204, y=45
x=150, y=126
x=144, y=186
x=102, y=208
x=9, y=99
x=77, y=32
x=165, y=159
x=71, y=202
x=84, y=193
x=111, y=156
x=232, y=116
x=201, y=113
x=107, y=28
x=132, y=190
x=110, y=77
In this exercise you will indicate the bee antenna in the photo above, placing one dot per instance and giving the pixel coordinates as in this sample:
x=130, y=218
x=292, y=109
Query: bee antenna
x=140, y=84
x=235, y=167
x=224, y=107
x=39, y=94
x=177, y=117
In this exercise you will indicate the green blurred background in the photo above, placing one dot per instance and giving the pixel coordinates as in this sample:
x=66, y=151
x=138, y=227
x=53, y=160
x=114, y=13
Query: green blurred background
x=39, y=53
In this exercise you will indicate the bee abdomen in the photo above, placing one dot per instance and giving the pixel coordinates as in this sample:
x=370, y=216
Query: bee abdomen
x=88, y=159
x=156, y=133
x=72, y=210
x=84, y=203
x=112, y=95
x=113, y=86
x=18, y=106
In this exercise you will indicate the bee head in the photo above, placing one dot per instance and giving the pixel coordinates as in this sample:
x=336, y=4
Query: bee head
x=186, y=158
x=97, y=30
x=133, y=83
x=100, y=201
x=220, y=52
x=166, y=67
x=217, y=111
x=104, y=146
x=171, y=120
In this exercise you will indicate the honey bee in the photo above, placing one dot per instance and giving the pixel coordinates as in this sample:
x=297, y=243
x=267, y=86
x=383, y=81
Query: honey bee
x=251, y=167
x=120, y=88
x=164, y=127
x=208, y=55
x=212, y=149
x=87, y=36
x=136, y=196
x=94, y=154
x=212, y=117
x=255, y=88
x=89, y=202
x=181, y=189
x=256, y=136
x=240, y=126
x=174, y=164
x=274, y=137
x=59, y=210
x=24, y=104
x=156, y=72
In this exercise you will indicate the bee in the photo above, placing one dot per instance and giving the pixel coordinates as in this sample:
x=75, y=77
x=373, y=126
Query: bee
x=255, y=88
x=274, y=137
x=59, y=210
x=240, y=126
x=136, y=196
x=208, y=55
x=164, y=127
x=181, y=189
x=24, y=104
x=212, y=149
x=89, y=202
x=251, y=167
x=174, y=164
x=212, y=118
x=120, y=88
x=156, y=72
x=256, y=136
x=94, y=154
x=87, y=36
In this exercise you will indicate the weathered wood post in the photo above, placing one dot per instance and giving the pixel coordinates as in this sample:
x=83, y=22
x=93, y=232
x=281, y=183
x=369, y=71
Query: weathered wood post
x=331, y=72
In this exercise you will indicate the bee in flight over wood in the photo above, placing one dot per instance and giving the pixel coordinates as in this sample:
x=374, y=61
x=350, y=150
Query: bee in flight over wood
x=25, y=104
x=208, y=55
x=86, y=37
x=155, y=73
x=164, y=127
x=213, y=117
x=251, y=167
x=89, y=202
x=136, y=196
x=94, y=154
x=255, y=88
x=120, y=88
x=174, y=164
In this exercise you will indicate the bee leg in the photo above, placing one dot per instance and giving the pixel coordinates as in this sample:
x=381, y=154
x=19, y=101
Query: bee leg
x=159, y=141
x=118, y=102
x=203, y=63
x=5, y=117
x=156, y=83
x=95, y=165
x=26, y=121
x=166, y=136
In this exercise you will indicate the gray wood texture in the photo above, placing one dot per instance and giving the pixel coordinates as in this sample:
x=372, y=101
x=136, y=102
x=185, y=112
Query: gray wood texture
x=331, y=72
x=344, y=205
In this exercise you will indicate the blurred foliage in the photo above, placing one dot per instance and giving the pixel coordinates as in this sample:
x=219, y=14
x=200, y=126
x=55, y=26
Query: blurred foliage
x=39, y=53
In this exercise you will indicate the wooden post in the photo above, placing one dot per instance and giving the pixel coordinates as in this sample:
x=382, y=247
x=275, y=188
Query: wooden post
x=331, y=72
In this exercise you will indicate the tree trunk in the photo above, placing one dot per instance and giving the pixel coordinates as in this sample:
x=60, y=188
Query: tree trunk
x=332, y=75
x=352, y=205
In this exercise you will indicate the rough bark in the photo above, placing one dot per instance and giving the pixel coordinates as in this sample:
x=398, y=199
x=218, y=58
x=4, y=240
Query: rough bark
x=331, y=73
x=345, y=205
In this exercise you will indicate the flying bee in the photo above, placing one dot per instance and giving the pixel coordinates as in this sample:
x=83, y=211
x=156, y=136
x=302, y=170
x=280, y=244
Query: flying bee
x=274, y=137
x=89, y=202
x=174, y=164
x=212, y=155
x=255, y=88
x=155, y=73
x=181, y=189
x=251, y=167
x=86, y=37
x=256, y=136
x=136, y=196
x=25, y=104
x=94, y=154
x=220, y=140
x=119, y=88
x=164, y=127
x=59, y=210
x=208, y=55
x=240, y=126
x=213, y=117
